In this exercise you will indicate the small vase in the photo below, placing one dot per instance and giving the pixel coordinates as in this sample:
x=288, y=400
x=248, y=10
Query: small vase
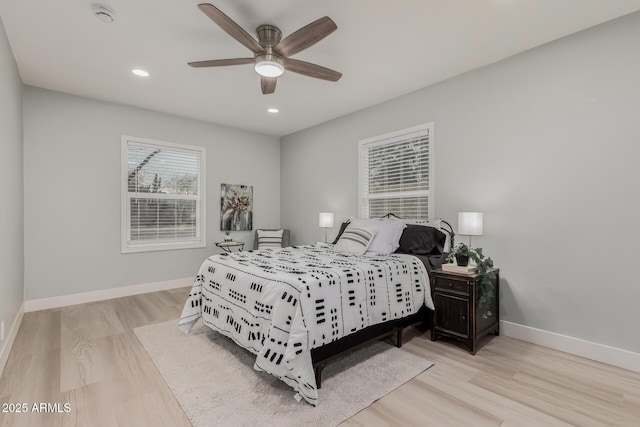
x=462, y=260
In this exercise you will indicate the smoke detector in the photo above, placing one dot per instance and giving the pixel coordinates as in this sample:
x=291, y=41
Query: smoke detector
x=103, y=13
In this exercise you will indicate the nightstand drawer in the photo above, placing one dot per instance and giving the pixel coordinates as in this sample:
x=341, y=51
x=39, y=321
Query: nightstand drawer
x=457, y=286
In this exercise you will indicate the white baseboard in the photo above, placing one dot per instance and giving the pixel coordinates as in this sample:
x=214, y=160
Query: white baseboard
x=84, y=297
x=587, y=349
x=10, y=338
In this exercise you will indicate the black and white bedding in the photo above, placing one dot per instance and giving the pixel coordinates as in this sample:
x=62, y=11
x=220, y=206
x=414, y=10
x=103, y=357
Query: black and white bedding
x=281, y=303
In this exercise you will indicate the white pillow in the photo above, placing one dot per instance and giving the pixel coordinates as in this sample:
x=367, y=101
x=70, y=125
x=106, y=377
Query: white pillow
x=269, y=239
x=387, y=239
x=356, y=238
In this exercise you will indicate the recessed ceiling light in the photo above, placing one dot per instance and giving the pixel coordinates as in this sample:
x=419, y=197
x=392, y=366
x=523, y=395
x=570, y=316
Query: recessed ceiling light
x=273, y=110
x=139, y=72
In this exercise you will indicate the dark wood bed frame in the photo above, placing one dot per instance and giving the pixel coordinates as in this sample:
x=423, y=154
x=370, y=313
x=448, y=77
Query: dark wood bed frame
x=326, y=353
x=322, y=355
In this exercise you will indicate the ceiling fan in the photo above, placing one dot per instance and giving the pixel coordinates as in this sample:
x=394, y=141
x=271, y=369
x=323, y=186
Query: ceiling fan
x=271, y=54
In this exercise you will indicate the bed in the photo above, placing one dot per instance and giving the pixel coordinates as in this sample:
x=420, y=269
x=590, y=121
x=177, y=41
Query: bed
x=296, y=308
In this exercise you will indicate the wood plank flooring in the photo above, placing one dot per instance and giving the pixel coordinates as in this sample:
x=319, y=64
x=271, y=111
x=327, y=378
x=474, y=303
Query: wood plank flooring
x=88, y=356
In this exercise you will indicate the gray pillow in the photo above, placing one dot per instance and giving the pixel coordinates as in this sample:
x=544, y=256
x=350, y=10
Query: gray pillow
x=269, y=239
x=356, y=239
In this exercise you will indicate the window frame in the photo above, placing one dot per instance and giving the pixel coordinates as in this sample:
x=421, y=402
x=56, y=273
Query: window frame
x=200, y=241
x=390, y=138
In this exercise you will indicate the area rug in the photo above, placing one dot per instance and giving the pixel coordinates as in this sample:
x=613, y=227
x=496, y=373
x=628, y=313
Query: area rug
x=214, y=381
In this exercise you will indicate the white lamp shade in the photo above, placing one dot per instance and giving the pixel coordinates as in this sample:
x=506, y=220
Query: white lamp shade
x=470, y=223
x=325, y=219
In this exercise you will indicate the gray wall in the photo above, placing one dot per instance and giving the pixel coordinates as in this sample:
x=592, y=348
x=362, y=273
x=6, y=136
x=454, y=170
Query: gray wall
x=72, y=191
x=11, y=192
x=546, y=145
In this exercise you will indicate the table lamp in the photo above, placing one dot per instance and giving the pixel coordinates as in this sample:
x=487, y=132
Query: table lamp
x=470, y=224
x=325, y=221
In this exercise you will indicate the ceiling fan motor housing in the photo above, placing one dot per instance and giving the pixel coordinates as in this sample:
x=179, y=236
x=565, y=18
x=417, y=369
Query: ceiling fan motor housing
x=268, y=64
x=268, y=35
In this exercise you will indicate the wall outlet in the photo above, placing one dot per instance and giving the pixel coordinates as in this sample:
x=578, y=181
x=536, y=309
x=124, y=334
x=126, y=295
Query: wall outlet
x=2, y=331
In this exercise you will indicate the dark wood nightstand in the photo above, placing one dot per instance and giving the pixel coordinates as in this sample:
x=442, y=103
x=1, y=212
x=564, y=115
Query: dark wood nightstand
x=456, y=315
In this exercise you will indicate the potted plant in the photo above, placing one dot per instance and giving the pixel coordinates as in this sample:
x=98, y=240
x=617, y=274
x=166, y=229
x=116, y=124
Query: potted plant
x=462, y=253
x=227, y=236
x=484, y=270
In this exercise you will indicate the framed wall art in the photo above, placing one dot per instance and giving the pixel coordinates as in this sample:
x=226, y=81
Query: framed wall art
x=236, y=207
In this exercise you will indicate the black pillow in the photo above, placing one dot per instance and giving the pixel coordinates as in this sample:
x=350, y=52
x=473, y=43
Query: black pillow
x=421, y=240
x=342, y=228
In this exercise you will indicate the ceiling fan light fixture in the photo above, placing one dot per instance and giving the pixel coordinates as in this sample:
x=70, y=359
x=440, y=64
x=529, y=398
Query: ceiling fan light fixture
x=269, y=69
x=269, y=65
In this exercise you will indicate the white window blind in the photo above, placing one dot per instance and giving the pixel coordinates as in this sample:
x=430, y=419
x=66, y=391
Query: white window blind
x=162, y=186
x=395, y=174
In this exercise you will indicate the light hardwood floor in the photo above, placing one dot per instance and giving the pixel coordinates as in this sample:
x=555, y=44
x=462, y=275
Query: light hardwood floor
x=88, y=356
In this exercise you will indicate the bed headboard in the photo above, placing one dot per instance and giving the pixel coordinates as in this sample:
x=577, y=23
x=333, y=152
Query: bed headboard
x=438, y=223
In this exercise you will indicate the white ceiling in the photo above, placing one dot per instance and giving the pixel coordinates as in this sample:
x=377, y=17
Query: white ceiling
x=383, y=48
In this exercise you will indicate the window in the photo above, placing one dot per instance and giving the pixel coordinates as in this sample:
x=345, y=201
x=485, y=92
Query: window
x=395, y=174
x=162, y=195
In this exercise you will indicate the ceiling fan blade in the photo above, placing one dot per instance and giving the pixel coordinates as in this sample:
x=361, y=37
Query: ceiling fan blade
x=221, y=62
x=311, y=70
x=306, y=36
x=268, y=84
x=231, y=28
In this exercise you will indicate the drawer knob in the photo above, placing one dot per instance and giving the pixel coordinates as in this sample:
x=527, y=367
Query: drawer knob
x=464, y=317
x=451, y=285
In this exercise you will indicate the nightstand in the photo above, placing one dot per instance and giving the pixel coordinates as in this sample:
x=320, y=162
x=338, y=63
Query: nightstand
x=456, y=314
x=230, y=246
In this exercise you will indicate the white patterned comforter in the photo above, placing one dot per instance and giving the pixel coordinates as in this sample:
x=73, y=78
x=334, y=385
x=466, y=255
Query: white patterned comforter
x=279, y=304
